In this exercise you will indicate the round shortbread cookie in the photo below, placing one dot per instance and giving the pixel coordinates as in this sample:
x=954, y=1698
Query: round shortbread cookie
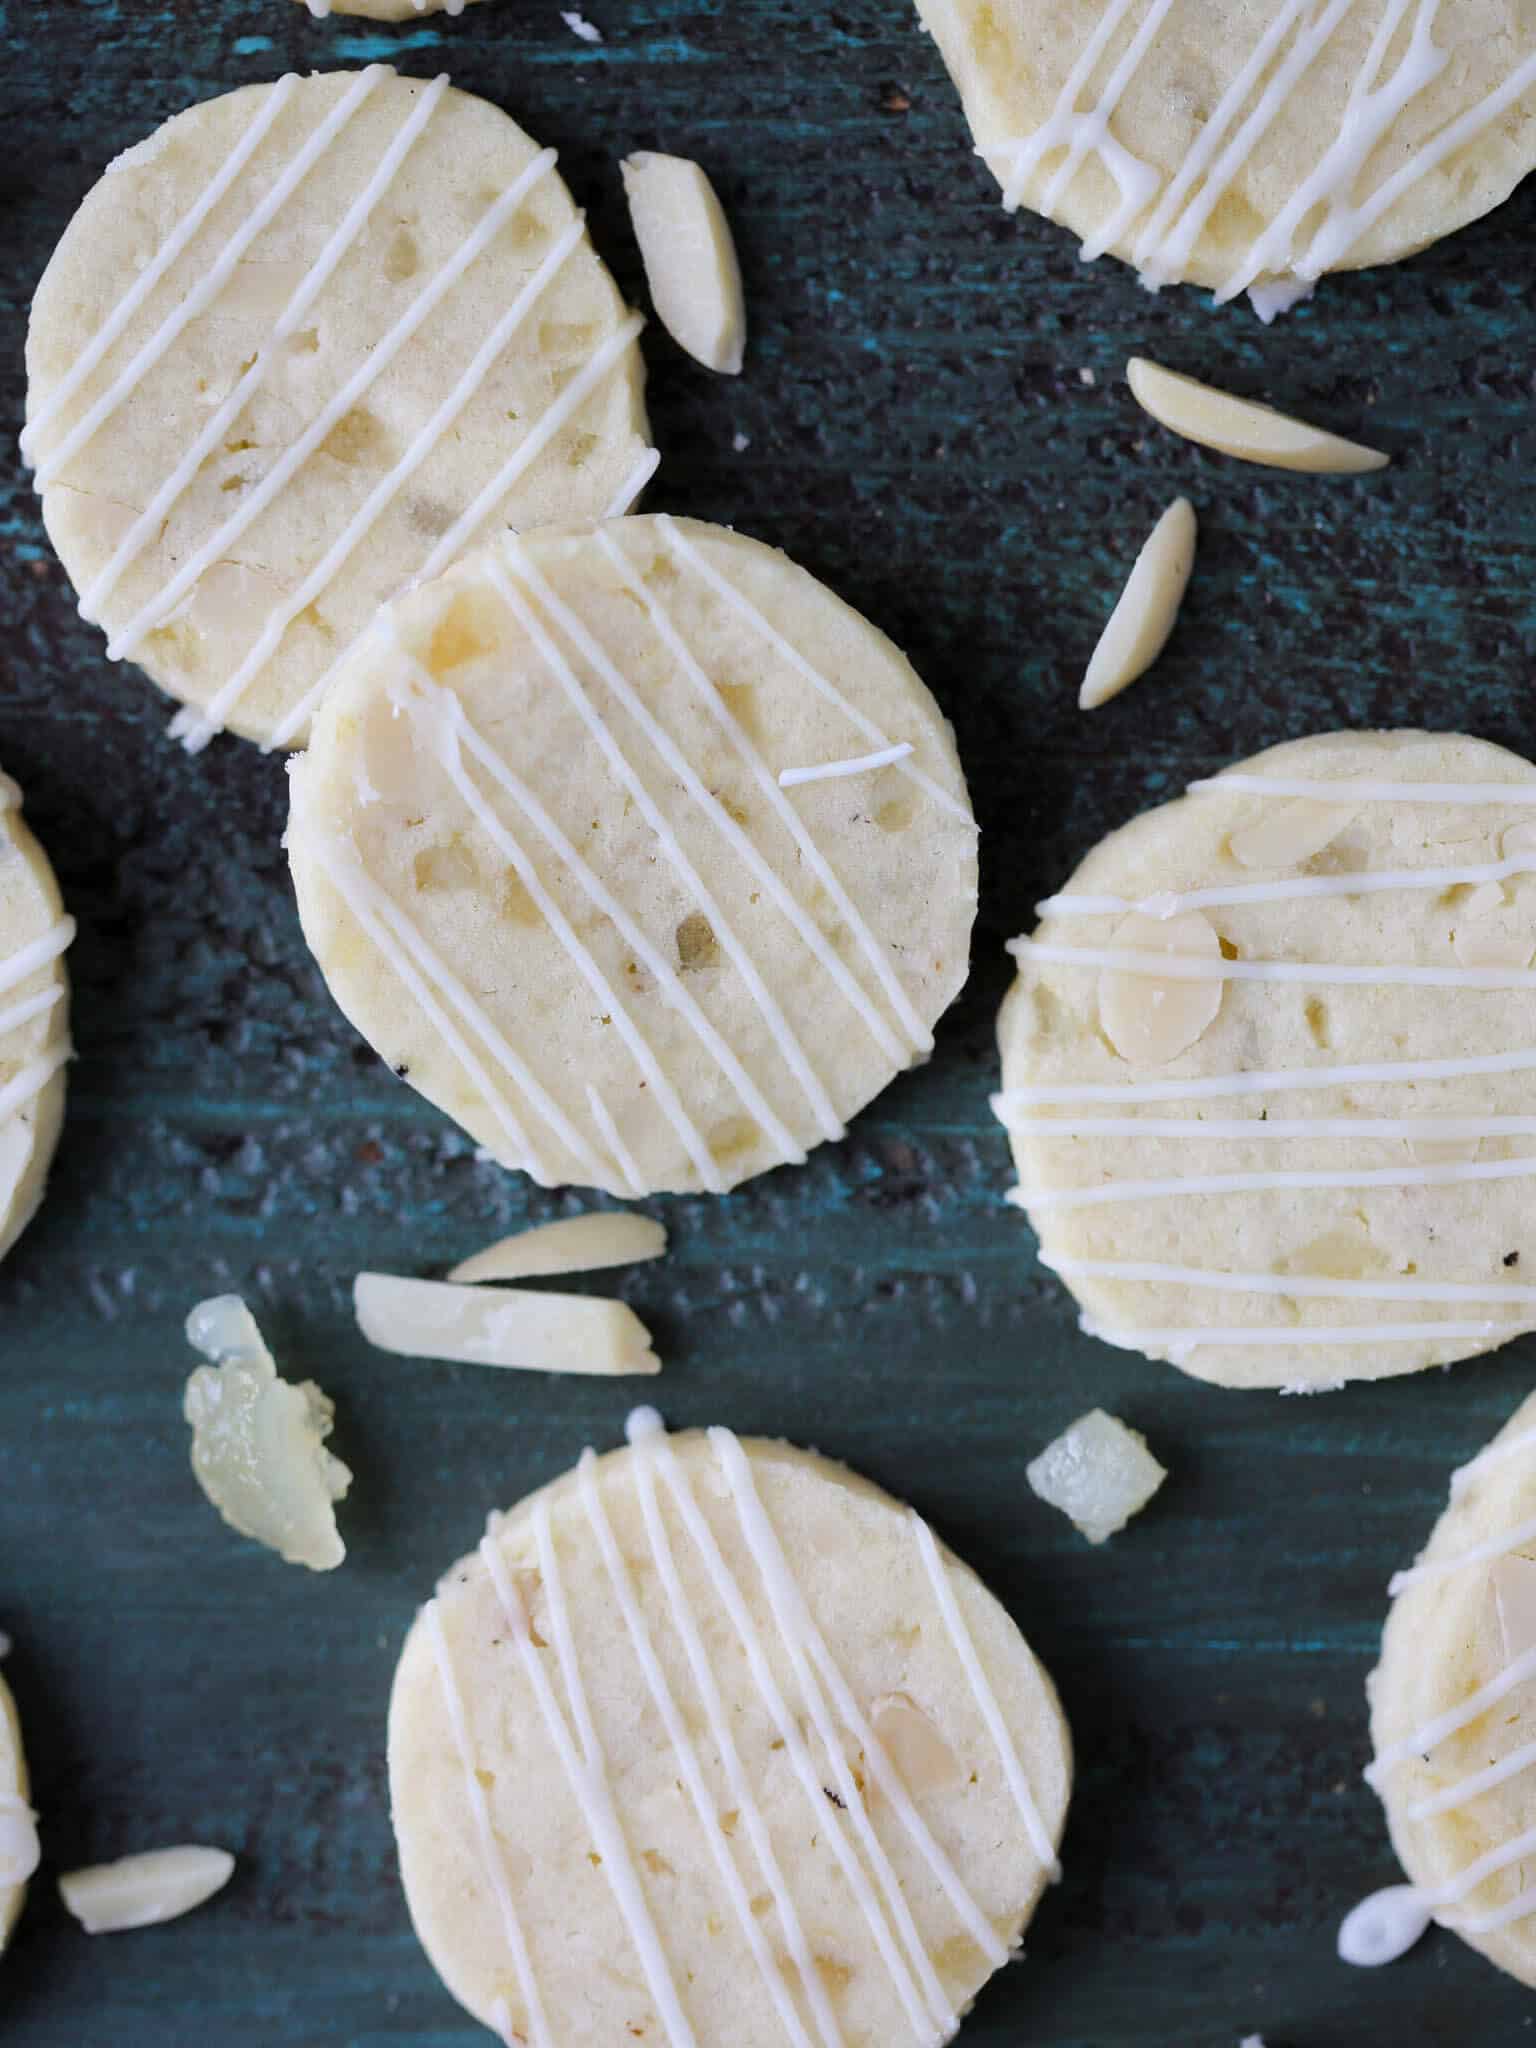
x=304, y=345
x=1306, y=1154
x=711, y=1742
x=546, y=863
x=386, y=10
x=34, y=1017
x=1252, y=145
x=18, y=1837
x=1452, y=1702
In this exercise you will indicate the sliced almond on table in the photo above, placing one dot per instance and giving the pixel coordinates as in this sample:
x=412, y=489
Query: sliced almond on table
x=1141, y=622
x=1242, y=427
x=141, y=1891
x=502, y=1326
x=575, y=1244
x=689, y=257
x=1149, y=1020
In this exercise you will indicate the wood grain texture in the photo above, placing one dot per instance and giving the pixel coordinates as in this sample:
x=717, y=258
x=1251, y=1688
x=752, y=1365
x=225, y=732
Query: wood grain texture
x=924, y=434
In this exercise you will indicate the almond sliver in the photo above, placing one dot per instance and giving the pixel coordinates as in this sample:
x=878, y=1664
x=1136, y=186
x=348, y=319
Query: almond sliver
x=502, y=1326
x=576, y=1244
x=1242, y=427
x=1141, y=622
x=689, y=257
x=141, y=1891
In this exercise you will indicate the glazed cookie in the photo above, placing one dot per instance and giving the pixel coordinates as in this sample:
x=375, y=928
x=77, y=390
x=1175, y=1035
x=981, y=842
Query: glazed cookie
x=34, y=1017
x=711, y=1742
x=594, y=850
x=1253, y=146
x=386, y=10
x=18, y=1823
x=301, y=347
x=1269, y=1069
x=1452, y=1707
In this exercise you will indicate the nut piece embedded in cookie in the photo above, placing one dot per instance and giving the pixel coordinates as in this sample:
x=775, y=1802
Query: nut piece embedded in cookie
x=1098, y=1472
x=1242, y=427
x=1148, y=1019
x=258, y=1442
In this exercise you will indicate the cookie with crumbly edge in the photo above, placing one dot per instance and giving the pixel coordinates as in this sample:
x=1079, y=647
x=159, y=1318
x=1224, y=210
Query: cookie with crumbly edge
x=309, y=342
x=1320, y=1117
x=711, y=1741
x=34, y=1017
x=553, y=860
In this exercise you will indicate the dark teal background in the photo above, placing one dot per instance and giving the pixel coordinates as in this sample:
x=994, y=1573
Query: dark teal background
x=926, y=436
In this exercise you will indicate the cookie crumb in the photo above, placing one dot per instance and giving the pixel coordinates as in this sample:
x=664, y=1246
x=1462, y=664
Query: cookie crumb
x=894, y=101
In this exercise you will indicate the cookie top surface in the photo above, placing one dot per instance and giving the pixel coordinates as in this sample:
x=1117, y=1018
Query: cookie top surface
x=34, y=1017
x=547, y=866
x=1308, y=1138
x=1254, y=142
x=1453, y=1705
x=306, y=343
x=711, y=1742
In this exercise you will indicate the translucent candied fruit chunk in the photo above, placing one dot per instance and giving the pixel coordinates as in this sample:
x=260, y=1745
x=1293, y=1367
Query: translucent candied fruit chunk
x=1098, y=1472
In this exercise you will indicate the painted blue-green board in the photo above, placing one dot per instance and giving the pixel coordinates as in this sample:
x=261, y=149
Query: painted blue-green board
x=938, y=425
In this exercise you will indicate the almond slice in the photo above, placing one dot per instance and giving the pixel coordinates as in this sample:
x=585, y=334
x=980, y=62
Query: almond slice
x=1285, y=835
x=576, y=1244
x=1141, y=622
x=1242, y=427
x=501, y=1326
x=689, y=257
x=1514, y=1593
x=1149, y=1021
x=141, y=1891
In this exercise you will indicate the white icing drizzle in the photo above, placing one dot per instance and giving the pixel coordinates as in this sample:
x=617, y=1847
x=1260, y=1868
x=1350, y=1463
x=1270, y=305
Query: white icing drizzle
x=1302, y=1287
x=625, y=1159
x=1181, y=1341
x=1174, y=211
x=151, y=520
x=1244, y=1127
x=1322, y=973
x=271, y=107
x=627, y=496
x=586, y=1773
x=449, y=733
x=412, y=961
x=1480, y=1553
x=1515, y=1446
x=490, y=1845
x=789, y=1046
x=986, y=1699
x=29, y=1007
x=806, y=1641
x=1249, y=1183
x=1434, y=1732
x=1348, y=790
x=480, y=509
x=216, y=548
x=805, y=925
x=31, y=1080
x=1371, y=882
x=1276, y=1080
x=684, y=1751
x=833, y=771
x=208, y=287
x=744, y=608
x=1384, y=1926
x=26, y=960
x=644, y=1428
x=1476, y=1782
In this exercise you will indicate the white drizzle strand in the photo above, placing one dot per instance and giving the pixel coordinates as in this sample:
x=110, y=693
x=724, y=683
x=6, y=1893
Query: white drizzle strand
x=836, y=771
x=1322, y=973
x=1370, y=882
x=1166, y=215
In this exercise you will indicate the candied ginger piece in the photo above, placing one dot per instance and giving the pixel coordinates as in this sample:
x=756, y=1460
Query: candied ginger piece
x=1098, y=1472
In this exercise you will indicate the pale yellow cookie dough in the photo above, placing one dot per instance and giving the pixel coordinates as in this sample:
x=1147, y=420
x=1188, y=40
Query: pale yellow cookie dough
x=1209, y=144
x=694, y=1872
x=34, y=1018
x=1451, y=1632
x=1421, y=1225
x=547, y=866
x=235, y=492
x=18, y=1823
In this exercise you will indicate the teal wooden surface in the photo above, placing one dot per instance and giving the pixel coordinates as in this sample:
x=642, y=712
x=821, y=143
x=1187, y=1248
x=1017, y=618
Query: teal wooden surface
x=925, y=433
